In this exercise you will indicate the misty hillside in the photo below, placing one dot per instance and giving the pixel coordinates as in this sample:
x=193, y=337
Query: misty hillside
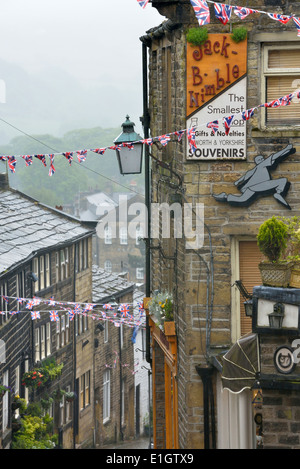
x=97, y=173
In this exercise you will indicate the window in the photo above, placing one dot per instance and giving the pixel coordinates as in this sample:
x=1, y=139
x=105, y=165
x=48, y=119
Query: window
x=62, y=331
x=62, y=264
x=82, y=255
x=138, y=235
x=37, y=344
x=106, y=395
x=20, y=284
x=5, y=403
x=85, y=395
x=108, y=266
x=107, y=235
x=140, y=273
x=48, y=339
x=3, y=304
x=281, y=70
x=41, y=268
x=47, y=268
x=43, y=342
x=105, y=332
x=123, y=235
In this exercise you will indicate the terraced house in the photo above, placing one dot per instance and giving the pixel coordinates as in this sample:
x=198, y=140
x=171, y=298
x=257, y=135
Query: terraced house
x=47, y=255
x=238, y=159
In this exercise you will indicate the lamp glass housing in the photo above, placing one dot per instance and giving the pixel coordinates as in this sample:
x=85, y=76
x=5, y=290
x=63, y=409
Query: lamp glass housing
x=248, y=305
x=129, y=158
x=276, y=317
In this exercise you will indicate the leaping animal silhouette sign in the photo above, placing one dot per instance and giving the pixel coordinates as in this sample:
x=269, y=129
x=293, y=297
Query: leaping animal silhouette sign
x=257, y=182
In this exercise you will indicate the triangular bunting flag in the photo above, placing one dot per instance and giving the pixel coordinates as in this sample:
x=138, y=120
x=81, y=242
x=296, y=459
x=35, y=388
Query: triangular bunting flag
x=201, y=11
x=214, y=125
x=242, y=12
x=223, y=12
x=227, y=123
x=283, y=19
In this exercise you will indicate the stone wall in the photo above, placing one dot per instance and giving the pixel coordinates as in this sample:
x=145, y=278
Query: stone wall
x=203, y=297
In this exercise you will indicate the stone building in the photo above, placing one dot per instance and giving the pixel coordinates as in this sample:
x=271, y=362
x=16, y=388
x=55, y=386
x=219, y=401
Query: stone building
x=114, y=360
x=189, y=87
x=45, y=255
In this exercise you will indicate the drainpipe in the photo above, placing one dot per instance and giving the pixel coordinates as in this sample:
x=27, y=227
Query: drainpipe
x=145, y=120
x=208, y=406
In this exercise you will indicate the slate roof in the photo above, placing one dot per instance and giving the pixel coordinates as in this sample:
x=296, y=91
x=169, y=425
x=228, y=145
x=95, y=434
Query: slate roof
x=108, y=285
x=26, y=227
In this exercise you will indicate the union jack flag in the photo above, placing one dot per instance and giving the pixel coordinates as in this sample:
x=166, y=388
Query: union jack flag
x=107, y=306
x=201, y=11
x=12, y=313
x=227, y=123
x=28, y=159
x=5, y=298
x=214, y=125
x=242, y=12
x=51, y=302
x=71, y=314
x=12, y=163
x=286, y=100
x=179, y=134
x=42, y=158
x=30, y=304
x=35, y=315
x=100, y=151
x=191, y=139
x=130, y=146
x=54, y=316
x=274, y=103
x=297, y=23
x=223, y=12
x=51, y=169
x=248, y=113
x=81, y=155
x=164, y=139
x=143, y=3
x=124, y=309
x=3, y=158
x=283, y=19
x=20, y=300
x=69, y=156
x=148, y=141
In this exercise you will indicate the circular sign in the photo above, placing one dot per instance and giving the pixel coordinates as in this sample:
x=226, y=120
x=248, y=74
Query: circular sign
x=283, y=360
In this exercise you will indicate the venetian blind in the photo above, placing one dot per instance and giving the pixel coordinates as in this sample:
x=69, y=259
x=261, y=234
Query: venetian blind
x=250, y=257
x=282, y=84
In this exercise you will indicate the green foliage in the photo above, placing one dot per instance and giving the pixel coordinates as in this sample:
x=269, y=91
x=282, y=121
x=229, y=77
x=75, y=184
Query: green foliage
x=161, y=306
x=292, y=252
x=34, y=434
x=239, y=34
x=35, y=430
x=98, y=172
x=37, y=377
x=197, y=36
x=272, y=238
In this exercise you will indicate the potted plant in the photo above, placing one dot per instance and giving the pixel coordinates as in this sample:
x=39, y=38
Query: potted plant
x=272, y=240
x=4, y=389
x=292, y=251
x=70, y=396
x=161, y=308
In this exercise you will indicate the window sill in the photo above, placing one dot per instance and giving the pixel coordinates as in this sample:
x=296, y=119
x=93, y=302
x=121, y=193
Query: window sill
x=276, y=132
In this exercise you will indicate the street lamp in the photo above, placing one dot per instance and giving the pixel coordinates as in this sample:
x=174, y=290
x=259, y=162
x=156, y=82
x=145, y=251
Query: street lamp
x=129, y=156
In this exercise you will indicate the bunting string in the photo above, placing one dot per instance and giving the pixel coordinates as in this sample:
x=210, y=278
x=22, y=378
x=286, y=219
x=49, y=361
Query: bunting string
x=124, y=313
x=163, y=139
x=223, y=13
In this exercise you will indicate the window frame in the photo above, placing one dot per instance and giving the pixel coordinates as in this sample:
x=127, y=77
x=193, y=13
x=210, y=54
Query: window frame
x=273, y=72
x=106, y=395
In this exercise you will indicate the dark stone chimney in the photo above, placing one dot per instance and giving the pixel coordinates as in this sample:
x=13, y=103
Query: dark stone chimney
x=4, y=181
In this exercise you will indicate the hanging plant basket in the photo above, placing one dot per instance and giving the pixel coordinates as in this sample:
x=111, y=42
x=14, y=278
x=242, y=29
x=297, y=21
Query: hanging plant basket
x=276, y=274
x=70, y=396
